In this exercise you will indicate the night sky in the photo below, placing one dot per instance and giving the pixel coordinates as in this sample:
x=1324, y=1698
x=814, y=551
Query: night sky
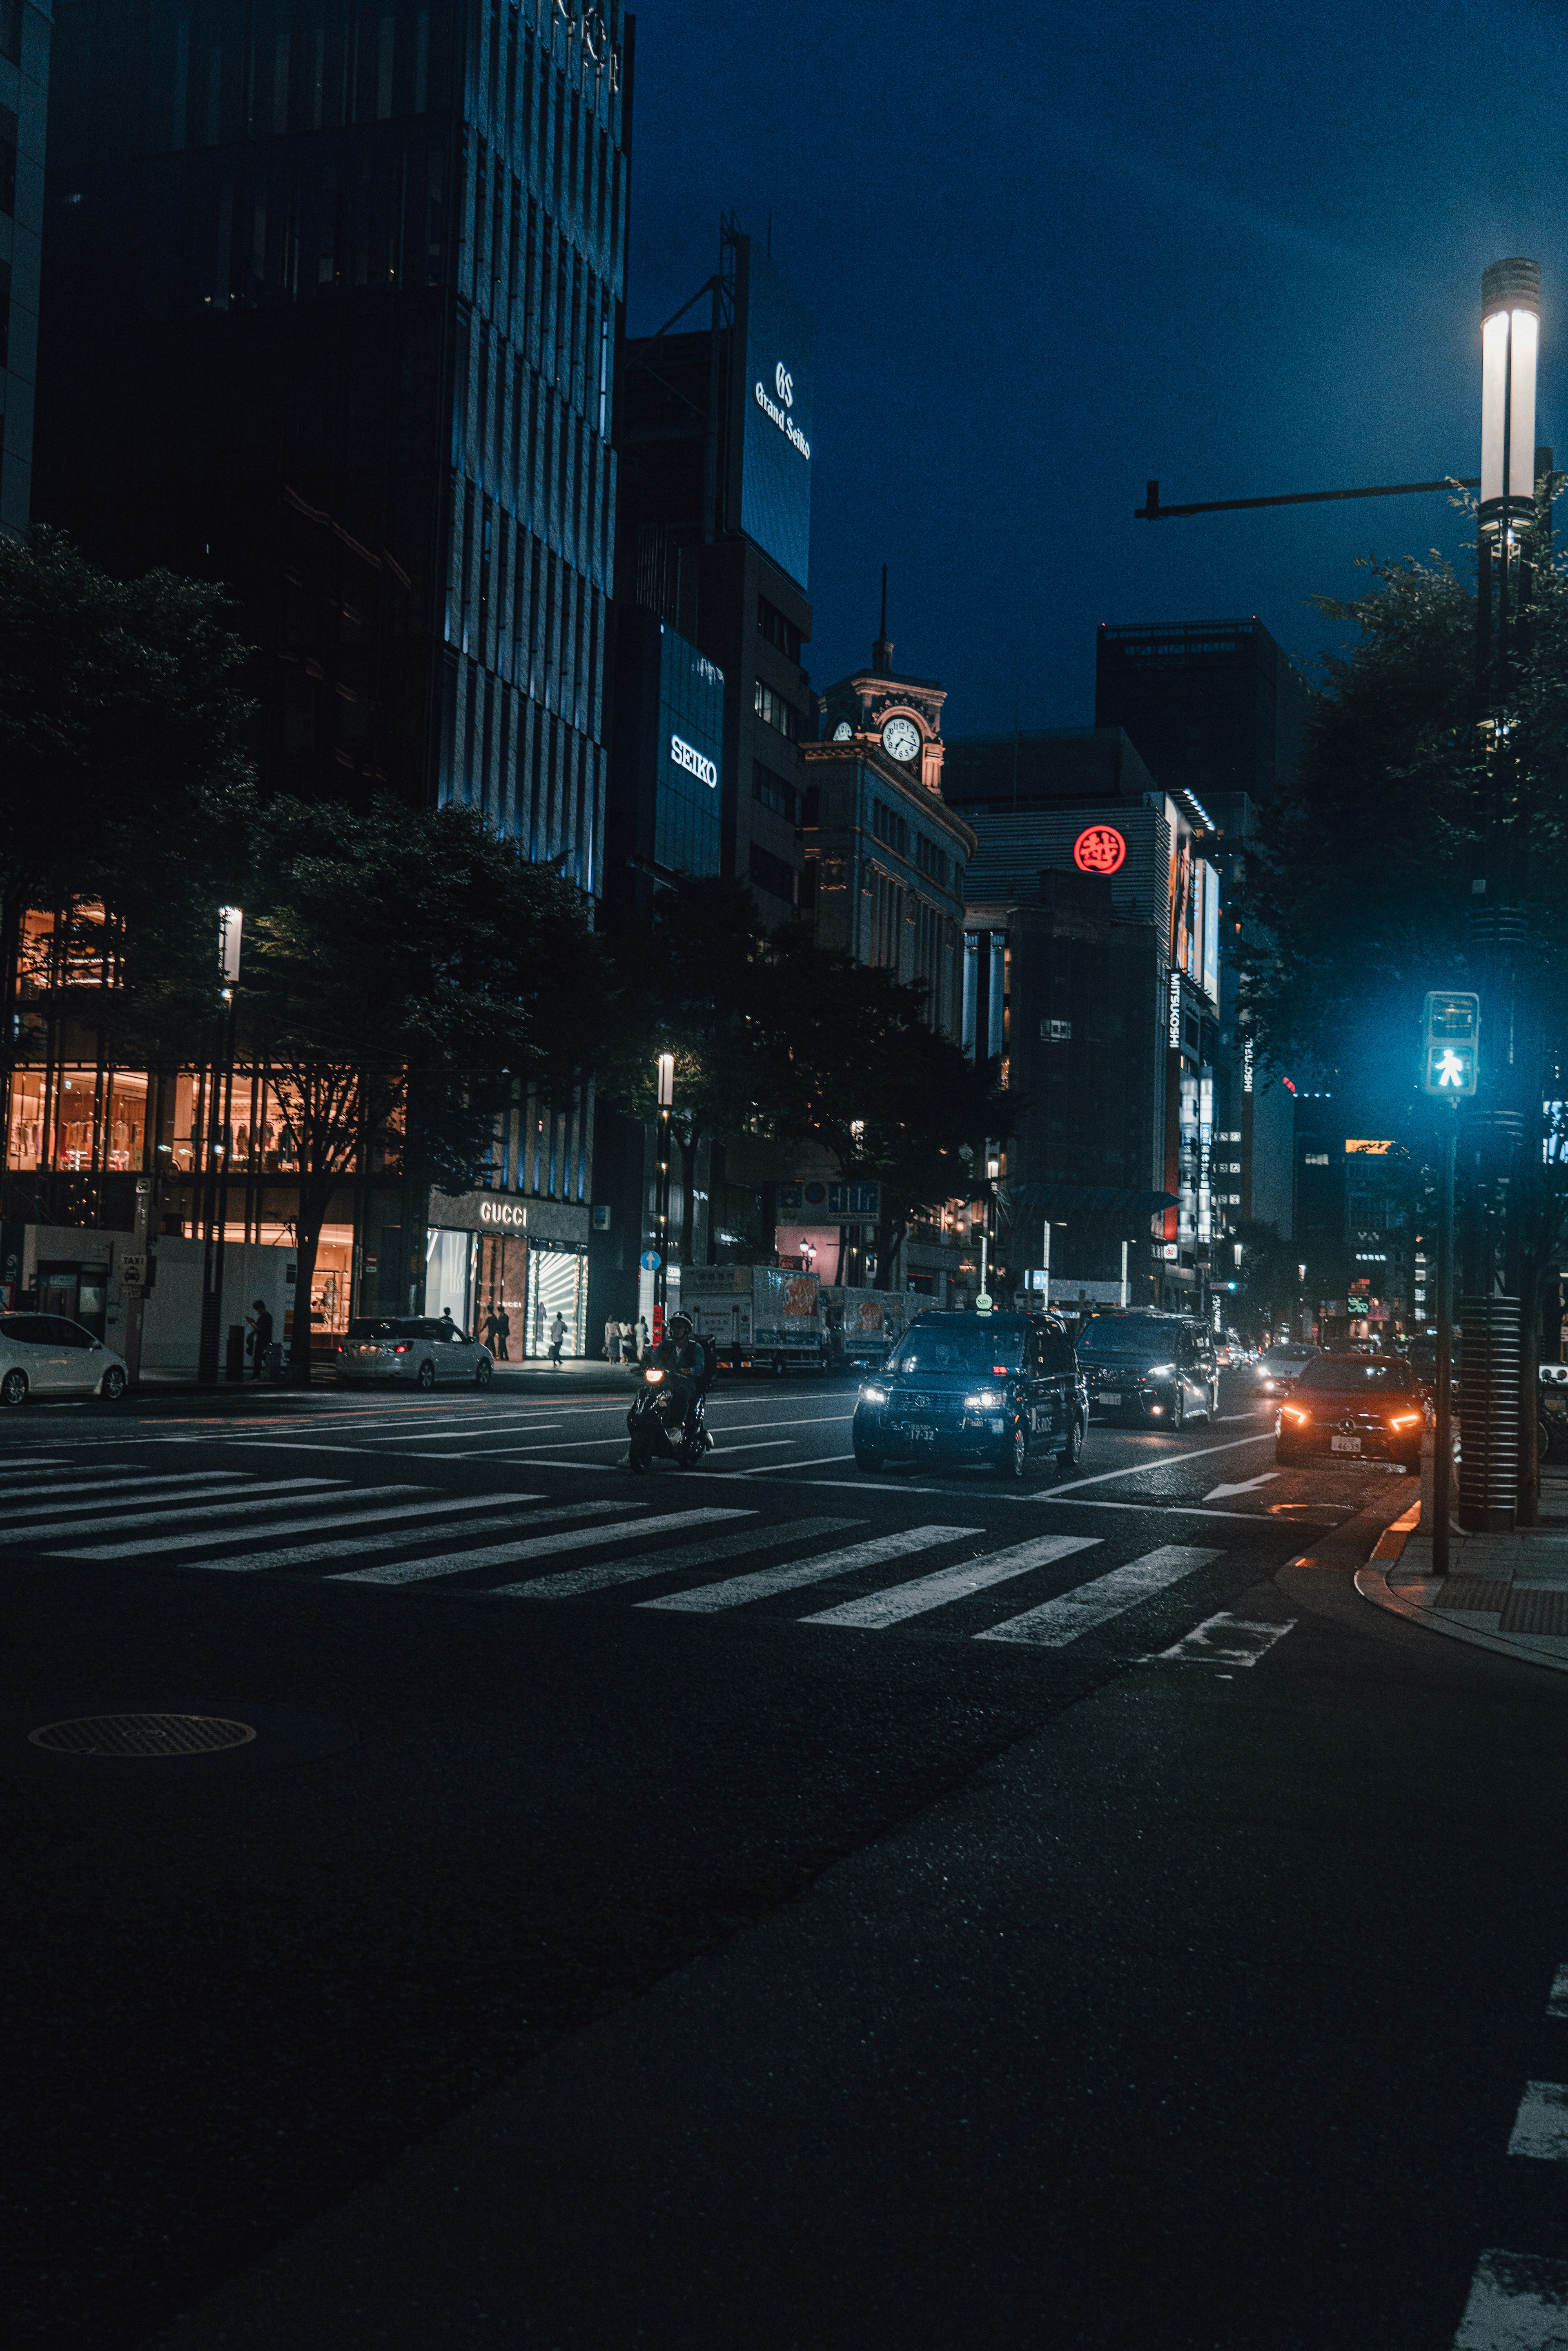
x=1052, y=251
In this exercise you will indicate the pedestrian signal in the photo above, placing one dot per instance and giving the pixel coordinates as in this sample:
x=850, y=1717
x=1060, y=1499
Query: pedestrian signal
x=1450, y=1044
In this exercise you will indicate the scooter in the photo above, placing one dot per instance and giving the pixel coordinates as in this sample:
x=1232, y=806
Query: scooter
x=656, y=1422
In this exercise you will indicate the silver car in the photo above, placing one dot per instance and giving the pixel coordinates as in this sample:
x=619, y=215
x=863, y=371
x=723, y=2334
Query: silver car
x=420, y=1350
x=47, y=1355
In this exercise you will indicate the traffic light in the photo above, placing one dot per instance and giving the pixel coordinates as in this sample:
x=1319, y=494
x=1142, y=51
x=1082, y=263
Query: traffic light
x=1450, y=1042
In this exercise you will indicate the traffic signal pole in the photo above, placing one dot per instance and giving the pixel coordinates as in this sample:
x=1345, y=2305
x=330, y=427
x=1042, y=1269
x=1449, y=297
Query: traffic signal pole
x=1443, y=1442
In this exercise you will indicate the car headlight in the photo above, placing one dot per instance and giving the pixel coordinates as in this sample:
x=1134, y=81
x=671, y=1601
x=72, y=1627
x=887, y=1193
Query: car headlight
x=983, y=1400
x=1160, y=1371
x=871, y=1393
x=653, y=1377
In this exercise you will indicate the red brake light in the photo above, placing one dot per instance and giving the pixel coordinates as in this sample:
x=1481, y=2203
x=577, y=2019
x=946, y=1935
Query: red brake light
x=403, y=1347
x=1404, y=1419
x=999, y=1371
x=1294, y=1412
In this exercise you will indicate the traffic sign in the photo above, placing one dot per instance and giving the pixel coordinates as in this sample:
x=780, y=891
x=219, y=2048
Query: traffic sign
x=983, y=1304
x=650, y=1260
x=1451, y=1023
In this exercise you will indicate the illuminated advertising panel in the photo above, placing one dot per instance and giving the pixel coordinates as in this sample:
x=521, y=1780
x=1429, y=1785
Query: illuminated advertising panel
x=1208, y=901
x=776, y=342
x=690, y=765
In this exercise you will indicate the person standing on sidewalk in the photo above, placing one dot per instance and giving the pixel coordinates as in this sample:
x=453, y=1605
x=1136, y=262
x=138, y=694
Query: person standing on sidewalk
x=556, y=1334
x=497, y=1327
x=613, y=1341
x=260, y=1321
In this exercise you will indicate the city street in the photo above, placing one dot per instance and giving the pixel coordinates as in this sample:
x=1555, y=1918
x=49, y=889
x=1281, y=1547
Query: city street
x=902, y=1909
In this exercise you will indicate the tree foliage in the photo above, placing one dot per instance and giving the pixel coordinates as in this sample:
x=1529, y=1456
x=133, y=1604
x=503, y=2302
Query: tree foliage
x=402, y=971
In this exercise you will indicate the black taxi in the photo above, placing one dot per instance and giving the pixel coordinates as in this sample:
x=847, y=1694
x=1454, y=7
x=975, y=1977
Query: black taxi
x=976, y=1387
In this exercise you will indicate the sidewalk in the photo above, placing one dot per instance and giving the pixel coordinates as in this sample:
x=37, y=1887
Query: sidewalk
x=1503, y=1592
x=584, y=1375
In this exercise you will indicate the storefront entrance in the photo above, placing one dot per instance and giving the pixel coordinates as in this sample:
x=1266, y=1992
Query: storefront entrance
x=557, y=1284
x=501, y=1295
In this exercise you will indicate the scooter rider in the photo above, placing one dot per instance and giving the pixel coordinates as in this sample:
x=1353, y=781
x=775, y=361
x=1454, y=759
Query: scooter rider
x=681, y=1353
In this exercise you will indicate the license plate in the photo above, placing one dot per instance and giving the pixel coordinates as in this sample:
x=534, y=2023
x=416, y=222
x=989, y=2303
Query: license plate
x=1344, y=1445
x=1110, y=1395
x=920, y=1432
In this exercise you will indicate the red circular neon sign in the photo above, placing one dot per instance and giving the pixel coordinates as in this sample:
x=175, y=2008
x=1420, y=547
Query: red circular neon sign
x=1100, y=850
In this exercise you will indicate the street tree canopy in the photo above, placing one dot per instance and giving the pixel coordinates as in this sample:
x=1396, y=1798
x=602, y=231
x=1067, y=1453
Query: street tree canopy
x=403, y=971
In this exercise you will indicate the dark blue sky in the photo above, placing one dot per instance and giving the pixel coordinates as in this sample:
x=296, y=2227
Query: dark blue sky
x=1054, y=250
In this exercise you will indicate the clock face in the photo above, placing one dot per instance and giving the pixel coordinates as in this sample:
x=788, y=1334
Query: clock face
x=842, y=731
x=900, y=738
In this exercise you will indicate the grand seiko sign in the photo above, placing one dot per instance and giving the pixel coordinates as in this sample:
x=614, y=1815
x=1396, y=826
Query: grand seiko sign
x=778, y=414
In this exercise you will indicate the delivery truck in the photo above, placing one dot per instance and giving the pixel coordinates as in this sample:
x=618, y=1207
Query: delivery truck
x=861, y=1325
x=761, y=1318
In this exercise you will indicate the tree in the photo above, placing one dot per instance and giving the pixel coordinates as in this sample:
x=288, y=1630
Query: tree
x=699, y=981
x=1419, y=781
x=402, y=971
x=871, y=1079
x=125, y=784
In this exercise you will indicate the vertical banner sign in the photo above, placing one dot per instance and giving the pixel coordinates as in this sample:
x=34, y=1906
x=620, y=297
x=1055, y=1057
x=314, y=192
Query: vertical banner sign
x=777, y=345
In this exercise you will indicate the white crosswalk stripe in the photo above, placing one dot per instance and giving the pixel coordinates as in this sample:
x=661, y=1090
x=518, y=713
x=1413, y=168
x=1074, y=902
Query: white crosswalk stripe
x=510, y=1554
x=575, y=1581
x=1057, y=1621
x=737, y=1589
x=284, y=1492
x=97, y=1490
x=355, y=1546
x=902, y=1601
x=1224, y=1640
x=334, y=1509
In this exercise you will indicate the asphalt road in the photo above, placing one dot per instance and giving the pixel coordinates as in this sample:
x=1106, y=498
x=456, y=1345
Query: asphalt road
x=766, y=1905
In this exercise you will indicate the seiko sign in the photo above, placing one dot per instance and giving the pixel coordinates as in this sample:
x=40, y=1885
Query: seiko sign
x=778, y=410
x=705, y=770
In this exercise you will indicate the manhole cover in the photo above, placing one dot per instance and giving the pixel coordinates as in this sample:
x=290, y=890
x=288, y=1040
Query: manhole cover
x=141, y=1735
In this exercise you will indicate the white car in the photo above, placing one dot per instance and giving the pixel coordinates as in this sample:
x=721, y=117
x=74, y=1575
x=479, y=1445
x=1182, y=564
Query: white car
x=419, y=1348
x=46, y=1355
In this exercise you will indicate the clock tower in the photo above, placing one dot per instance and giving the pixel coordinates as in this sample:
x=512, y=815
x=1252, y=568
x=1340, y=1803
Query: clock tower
x=895, y=718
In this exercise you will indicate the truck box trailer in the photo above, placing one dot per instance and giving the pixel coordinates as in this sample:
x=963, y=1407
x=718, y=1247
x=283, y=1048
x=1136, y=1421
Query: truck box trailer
x=756, y=1317
x=861, y=1325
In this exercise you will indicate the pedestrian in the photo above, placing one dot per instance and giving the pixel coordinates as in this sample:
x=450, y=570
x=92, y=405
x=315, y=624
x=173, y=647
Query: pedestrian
x=449, y=1329
x=260, y=1322
x=643, y=1342
x=497, y=1329
x=629, y=1343
x=556, y=1334
x=613, y=1341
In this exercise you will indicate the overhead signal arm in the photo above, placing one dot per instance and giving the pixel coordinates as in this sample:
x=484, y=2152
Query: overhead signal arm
x=1151, y=511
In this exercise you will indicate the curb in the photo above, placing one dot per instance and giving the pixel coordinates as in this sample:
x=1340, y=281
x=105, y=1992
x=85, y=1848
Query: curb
x=1372, y=1582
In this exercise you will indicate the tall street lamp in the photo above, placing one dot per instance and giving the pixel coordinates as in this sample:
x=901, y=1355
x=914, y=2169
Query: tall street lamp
x=1511, y=339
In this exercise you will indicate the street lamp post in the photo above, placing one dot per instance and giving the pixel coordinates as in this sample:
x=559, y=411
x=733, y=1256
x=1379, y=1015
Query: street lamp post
x=666, y=1065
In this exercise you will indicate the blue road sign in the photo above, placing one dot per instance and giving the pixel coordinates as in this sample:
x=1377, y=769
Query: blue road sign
x=650, y=1260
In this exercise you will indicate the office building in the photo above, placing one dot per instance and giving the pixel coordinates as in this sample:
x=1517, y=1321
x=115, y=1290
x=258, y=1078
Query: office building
x=715, y=438
x=329, y=314
x=25, y=31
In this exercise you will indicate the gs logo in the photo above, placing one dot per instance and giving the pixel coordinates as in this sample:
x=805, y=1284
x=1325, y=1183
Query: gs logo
x=784, y=384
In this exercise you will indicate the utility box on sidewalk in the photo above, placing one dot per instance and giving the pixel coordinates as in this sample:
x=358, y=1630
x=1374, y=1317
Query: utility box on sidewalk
x=1488, y=1415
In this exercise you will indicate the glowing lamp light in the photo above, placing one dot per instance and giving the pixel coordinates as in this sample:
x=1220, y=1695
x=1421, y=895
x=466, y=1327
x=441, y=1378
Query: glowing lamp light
x=1510, y=334
x=666, y=1065
x=1100, y=848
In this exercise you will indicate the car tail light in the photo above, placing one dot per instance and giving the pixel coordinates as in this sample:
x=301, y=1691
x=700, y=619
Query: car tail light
x=1294, y=1412
x=1405, y=1420
x=403, y=1347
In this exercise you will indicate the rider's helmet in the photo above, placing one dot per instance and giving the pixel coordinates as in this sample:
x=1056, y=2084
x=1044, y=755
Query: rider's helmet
x=680, y=1323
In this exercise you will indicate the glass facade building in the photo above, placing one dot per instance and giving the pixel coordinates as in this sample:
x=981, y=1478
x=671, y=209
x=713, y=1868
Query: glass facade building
x=24, y=34
x=329, y=315
x=687, y=826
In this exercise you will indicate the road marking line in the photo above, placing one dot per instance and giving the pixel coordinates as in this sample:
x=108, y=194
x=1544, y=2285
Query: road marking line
x=737, y=1589
x=1557, y=2005
x=320, y=1521
x=1541, y=2126
x=741, y=1428
x=1518, y=2302
x=1167, y=1461
x=1057, y=1621
x=1224, y=1640
x=36, y=1461
x=510, y=1554
x=752, y=1540
x=188, y=1480
x=154, y=1514
x=1248, y=1486
x=360, y=1546
x=1161, y=1508
x=765, y=1468
x=440, y=1436
x=899, y=1600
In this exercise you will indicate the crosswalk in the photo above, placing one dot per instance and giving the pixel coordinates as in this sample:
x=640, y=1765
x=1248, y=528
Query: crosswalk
x=713, y=1559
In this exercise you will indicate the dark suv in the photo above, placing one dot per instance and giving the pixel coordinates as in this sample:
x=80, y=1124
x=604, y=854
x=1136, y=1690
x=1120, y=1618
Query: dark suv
x=1150, y=1369
x=976, y=1387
